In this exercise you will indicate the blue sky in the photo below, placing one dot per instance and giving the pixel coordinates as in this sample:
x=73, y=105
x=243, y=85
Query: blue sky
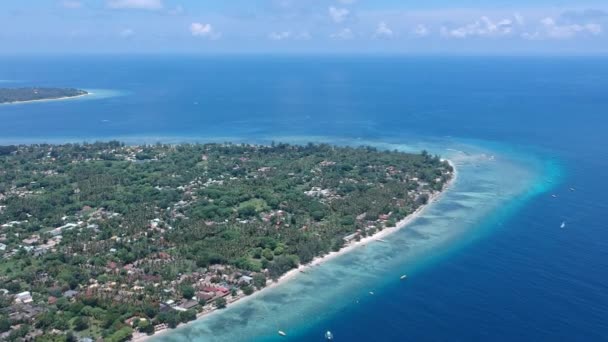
x=304, y=26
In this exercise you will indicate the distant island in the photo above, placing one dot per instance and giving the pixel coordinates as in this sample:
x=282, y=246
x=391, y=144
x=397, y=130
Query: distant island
x=14, y=95
x=112, y=241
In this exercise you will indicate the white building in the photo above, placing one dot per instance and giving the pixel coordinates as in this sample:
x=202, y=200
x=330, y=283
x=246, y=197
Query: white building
x=24, y=297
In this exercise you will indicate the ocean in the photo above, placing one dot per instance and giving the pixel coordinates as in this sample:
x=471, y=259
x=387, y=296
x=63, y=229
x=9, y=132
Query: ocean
x=488, y=261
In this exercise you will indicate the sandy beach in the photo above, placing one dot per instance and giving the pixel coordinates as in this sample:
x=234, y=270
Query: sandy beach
x=321, y=259
x=47, y=100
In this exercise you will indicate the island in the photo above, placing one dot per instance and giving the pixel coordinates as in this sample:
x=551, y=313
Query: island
x=107, y=240
x=16, y=95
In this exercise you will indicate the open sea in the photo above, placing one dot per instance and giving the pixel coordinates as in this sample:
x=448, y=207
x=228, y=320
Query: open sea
x=488, y=262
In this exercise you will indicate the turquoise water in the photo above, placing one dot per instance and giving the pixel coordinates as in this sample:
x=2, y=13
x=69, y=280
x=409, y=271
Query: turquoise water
x=486, y=262
x=487, y=184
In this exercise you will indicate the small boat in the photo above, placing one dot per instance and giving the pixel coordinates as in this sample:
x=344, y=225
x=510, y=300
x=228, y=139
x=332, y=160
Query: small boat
x=380, y=240
x=563, y=224
x=282, y=333
x=329, y=336
x=371, y=293
x=554, y=196
x=572, y=189
x=403, y=277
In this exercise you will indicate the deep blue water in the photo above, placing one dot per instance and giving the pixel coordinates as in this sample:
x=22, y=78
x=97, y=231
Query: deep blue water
x=517, y=276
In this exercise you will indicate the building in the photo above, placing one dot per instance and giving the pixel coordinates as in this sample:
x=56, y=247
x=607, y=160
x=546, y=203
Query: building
x=188, y=304
x=70, y=294
x=24, y=297
x=246, y=280
x=351, y=237
x=205, y=296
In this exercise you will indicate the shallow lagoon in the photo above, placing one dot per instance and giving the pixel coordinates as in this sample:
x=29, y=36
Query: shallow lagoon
x=489, y=184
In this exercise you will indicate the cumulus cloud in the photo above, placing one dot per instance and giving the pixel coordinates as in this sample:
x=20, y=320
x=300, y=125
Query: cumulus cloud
x=343, y=34
x=421, y=31
x=288, y=35
x=127, y=33
x=551, y=29
x=71, y=4
x=279, y=35
x=305, y=35
x=338, y=15
x=383, y=31
x=176, y=11
x=135, y=4
x=484, y=27
x=519, y=19
x=204, y=31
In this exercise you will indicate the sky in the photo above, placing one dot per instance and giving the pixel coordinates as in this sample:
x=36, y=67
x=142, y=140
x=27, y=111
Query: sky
x=305, y=26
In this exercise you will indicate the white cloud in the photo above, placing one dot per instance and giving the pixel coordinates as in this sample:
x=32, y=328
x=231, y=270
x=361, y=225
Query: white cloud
x=484, y=27
x=136, y=4
x=595, y=29
x=279, y=35
x=421, y=31
x=304, y=35
x=551, y=29
x=285, y=35
x=204, y=30
x=519, y=19
x=343, y=34
x=71, y=4
x=383, y=31
x=127, y=33
x=338, y=15
x=176, y=11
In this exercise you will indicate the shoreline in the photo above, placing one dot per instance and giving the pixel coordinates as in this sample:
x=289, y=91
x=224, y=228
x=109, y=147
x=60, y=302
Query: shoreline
x=140, y=337
x=47, y=100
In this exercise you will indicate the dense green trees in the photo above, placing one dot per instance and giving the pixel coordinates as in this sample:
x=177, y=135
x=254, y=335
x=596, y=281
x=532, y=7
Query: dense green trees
x=259, y=280
x=282, y=264
x=5, y=150
x=187, y=291
x=5, y=324
x=81, y=323
x=259, y=209
x=124, y=334
x=220, y=303
x=8, y=95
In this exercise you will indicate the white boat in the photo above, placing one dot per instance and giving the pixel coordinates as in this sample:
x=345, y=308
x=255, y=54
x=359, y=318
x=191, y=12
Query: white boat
x=329, y=336
x=282, y=333
x=403, y=277
x=563, y=225
x=371, y=293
